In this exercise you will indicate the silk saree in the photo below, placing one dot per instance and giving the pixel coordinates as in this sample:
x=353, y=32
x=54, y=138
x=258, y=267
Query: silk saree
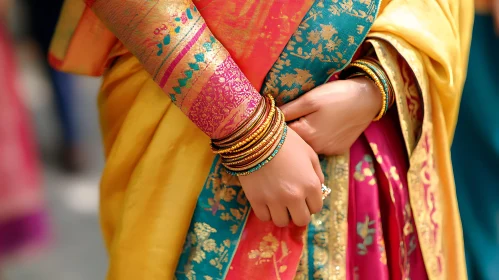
x=168, y=208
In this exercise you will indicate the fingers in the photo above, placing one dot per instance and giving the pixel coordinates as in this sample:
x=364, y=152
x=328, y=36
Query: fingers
x=299, y=213
x=261, y=212
x=315, y=202
x=303, y=128
x=317, y=167
x=300, y=107
x=280, y=215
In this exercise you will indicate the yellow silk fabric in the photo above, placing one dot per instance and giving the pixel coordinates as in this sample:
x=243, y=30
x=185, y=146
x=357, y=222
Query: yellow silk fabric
x=434, y=38
x=157, y=160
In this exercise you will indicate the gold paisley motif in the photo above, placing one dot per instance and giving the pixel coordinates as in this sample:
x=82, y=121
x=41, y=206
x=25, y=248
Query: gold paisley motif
x=422, y=176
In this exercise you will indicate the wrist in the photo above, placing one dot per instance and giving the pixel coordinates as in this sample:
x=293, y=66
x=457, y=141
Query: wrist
x=372, y=69
x=370, y=95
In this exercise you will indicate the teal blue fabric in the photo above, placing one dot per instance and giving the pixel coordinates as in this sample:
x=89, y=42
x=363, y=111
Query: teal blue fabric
x=324, y=43
x=475, y=154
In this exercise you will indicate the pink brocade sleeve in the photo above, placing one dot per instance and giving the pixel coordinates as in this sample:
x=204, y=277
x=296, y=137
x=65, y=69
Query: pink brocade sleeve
x=173, y=43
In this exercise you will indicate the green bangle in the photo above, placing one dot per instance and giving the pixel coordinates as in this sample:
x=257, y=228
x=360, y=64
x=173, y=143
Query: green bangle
x=267, y=160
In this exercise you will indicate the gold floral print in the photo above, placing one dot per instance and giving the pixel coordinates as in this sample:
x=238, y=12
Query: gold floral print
x=317, y=43
x=266, y=252
x=366, y=233
x=364, y=170
x=205, y=245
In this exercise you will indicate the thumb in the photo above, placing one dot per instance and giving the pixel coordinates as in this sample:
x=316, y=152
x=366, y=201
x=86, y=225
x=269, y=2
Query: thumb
x=300, y=107
x=303, y=128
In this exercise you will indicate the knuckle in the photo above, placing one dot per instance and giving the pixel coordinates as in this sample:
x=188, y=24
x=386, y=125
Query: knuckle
x=303, y=221
x=281, y=223
x=311, y=102
x=275, y=200
x=262, y=217
x=294, y=197
x=316, y=207
x=313, y=183
x=256, y=200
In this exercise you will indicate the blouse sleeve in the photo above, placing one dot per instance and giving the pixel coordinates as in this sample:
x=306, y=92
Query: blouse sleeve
x=174, y=44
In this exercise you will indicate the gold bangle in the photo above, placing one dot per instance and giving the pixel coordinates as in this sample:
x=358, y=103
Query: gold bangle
x=257, y=160
x=251, y=123
x=378, y=83
x=273, y=129
x=379, y=71
x=266, y=143
x=256, y=134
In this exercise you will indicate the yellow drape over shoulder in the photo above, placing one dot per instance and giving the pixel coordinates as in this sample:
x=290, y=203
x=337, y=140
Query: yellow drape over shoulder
x=433, y=37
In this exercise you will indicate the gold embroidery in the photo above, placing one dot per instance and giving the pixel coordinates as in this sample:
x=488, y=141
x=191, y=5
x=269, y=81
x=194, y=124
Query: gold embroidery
x=422, y=177
x=407, y=94
x=366, y=233
x=204, y=249
x=363, y=173
x=338, y=231
x=319, y=44
x=302, y=270
x=266, y=252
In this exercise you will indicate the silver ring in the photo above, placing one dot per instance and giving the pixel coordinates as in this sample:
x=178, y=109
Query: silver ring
x=325, y=191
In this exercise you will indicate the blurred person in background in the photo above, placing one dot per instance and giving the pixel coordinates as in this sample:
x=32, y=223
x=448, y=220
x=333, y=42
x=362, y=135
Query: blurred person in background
x=177, y=74
x=475, y=150
x=43, y=16
x=22, y=216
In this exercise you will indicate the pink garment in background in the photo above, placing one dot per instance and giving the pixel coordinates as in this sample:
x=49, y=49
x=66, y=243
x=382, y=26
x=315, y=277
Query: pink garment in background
x=22, y=216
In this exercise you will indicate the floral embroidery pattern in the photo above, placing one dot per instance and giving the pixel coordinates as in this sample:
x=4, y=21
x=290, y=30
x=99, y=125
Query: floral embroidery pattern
x=227, y=86
x=366, y=233
x=267, y=251
x=364, y=170
x=317, y=49
x=318, y=45
x=213, y=236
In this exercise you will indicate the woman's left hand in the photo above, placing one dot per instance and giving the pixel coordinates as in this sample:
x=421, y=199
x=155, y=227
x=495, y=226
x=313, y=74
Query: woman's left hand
x=332, y=116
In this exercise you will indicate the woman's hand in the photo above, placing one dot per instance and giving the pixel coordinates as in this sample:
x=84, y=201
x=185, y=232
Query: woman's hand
x=288, y=186
x=331, y=117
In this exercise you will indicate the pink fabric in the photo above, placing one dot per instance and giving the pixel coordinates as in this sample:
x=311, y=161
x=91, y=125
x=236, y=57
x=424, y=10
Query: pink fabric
x=383, y=242
x=181, y=55
x=382, y=237
x=22, y=221
x=228, y=87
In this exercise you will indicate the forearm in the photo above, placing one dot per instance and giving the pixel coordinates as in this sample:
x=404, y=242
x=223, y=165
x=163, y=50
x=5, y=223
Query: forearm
x=173, y=43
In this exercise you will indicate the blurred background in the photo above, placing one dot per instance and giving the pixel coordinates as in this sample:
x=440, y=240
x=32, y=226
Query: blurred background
x=65, y=240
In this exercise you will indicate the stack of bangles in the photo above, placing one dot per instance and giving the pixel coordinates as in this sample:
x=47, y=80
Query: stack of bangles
x=370, y=68
x=255, y=142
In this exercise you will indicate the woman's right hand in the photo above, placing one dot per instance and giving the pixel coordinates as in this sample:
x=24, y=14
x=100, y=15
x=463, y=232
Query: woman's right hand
x=288, y=186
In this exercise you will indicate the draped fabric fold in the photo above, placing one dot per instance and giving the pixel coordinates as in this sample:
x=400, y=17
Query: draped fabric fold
x=169, y=210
